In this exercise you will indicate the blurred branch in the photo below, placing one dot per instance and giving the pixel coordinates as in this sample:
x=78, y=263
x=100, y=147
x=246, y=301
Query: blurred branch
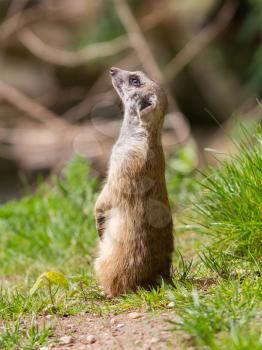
x=84, y=107
x=253, y=112
x=201, y=40
x=40, y=147
x=15, y=7
x=93, y=51
x=71, y=59
x=137, y=40
x=18, y=21
x=30, y=107
x=149, y=63
x=57, y=95
x=156, y=16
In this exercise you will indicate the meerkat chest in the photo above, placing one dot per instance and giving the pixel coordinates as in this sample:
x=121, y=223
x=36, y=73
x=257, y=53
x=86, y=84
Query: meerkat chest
x=128, y=156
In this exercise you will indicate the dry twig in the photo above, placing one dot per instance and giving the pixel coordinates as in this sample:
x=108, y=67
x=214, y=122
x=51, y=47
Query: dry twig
x=27, y=105
x=149, y=63
x=71, y=59
x=137, y=40
x=67, y=58
x=12, y=25
x=40, y=147
x=15, y=7
x=200, y=41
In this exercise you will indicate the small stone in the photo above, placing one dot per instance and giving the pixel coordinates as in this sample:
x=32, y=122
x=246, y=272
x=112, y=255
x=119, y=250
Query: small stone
x=90, y=339
x=148, y=347
x=52, y=345
x=135, y=315
x=113, y=321
x=70, y=328
x=49, y=317
x=170, y=305
x=66, y=339
x=44, y=348
x=154, y=340
x=119, y=325
x=164, y=333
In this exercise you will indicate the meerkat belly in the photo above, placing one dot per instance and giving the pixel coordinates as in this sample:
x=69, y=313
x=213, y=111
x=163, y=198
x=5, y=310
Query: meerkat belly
x=131, y=251
x=114, y=232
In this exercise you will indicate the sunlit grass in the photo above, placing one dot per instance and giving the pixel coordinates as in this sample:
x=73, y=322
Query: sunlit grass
x=216, y=292
x=230, y=208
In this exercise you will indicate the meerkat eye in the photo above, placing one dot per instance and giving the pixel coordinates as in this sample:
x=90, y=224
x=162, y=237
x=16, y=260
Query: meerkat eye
x=134, y=80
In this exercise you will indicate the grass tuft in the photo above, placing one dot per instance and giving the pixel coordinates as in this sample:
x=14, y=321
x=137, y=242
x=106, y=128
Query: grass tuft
x=230, y=208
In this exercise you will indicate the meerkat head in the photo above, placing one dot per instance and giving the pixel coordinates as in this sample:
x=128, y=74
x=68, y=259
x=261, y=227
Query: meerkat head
x=142, y=97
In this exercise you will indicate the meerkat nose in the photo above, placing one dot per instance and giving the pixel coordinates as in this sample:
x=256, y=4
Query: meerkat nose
x=113, y=70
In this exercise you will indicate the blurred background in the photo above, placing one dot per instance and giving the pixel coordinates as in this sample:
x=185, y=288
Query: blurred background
x=56, y=97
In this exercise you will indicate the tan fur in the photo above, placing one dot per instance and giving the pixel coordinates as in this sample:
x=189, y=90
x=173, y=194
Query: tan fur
x=132, y=212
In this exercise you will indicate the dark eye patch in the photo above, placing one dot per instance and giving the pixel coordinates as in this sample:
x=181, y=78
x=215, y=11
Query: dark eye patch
x=134, y=80
x=145, y=102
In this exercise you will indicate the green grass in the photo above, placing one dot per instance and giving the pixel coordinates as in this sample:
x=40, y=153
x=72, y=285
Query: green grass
x=27, y=337
x=227, y=211
x=227, y=310
x=52, y=229
x=230, y=209
x=217, y=289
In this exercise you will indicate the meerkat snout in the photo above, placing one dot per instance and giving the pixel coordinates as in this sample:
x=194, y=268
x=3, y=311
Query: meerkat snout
x=140, y=95
x=113, y=70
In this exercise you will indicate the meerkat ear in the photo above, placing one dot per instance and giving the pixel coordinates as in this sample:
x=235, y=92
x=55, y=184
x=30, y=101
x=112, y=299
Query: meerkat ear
x=147, y=104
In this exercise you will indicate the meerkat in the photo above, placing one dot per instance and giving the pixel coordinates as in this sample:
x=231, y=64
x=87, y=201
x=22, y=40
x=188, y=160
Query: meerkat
x=133, y=216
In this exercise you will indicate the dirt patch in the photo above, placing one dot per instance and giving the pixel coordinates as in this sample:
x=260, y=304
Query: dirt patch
x=115, y=332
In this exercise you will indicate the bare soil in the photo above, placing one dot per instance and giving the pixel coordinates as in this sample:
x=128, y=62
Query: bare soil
x=150, y=331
